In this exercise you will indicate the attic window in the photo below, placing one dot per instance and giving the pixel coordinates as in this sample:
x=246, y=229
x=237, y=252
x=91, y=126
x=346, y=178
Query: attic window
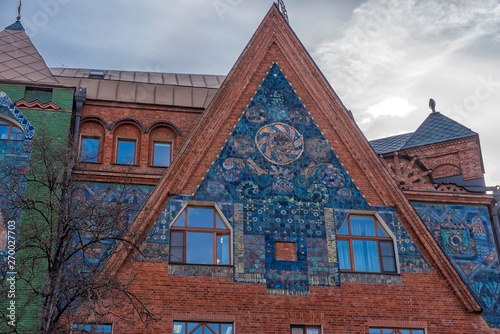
x=96, y=74
x=41, y=94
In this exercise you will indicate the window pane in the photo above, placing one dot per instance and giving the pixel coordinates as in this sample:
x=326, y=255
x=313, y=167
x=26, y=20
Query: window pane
x=365, y=255
x=201, y=217
x=387, y=248
x=222, y=249
x=176, y=254
x=388, y=263
x=179, y=328
x=363, y=226
x=374, y=331
x=405, y=331
x=219, y=223
x=177, y=239
x=193, y=325
x=161, y=154
x=344, y=257
x=418, y=331
x=126, y=152
x=387, y=331
x=4, y=132
x=312, y=331
x=297, y=331
x=381, y=231
x=344, y=230
x=90, y=149
x=226, y=329
x=181, y=221
x=200, y=248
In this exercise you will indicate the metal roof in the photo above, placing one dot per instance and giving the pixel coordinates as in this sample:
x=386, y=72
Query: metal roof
x=390, y=144
x=173, y=89
x=436, y=128
x=20, y=60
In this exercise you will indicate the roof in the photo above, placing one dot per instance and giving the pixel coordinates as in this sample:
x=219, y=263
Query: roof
x=436, y=128
x=187, y=90
x=390, y=144
x=19, y=59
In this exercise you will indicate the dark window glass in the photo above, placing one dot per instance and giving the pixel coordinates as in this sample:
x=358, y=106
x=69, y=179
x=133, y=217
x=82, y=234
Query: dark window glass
x=126, y=152
x=161, y=154
x=90, y=149
x=365, y=246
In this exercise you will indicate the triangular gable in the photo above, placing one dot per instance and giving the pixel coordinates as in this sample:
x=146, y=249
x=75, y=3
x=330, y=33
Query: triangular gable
x=277, y=154
x=275, y=42
x=20, y=60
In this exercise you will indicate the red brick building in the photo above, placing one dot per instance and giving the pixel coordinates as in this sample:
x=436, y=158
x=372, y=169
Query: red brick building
x=268, y=211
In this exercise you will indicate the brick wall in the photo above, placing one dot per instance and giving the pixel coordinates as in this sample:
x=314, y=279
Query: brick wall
x=423, y=300
x=144, y=122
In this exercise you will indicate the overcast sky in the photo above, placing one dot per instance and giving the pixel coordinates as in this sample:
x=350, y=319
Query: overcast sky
x=384, y=58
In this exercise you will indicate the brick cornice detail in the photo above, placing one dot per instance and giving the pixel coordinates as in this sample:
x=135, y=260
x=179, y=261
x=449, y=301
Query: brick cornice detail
x=454, y=197
x=37, y=105
x=338, y=127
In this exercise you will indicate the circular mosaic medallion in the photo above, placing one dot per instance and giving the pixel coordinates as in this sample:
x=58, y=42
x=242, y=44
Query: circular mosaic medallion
x=279, y=143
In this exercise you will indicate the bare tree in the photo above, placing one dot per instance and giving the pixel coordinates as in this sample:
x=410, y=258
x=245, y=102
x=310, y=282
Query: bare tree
x=67, y=234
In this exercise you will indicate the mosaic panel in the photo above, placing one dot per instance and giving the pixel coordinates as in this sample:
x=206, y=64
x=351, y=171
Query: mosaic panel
x=282, y=175
x=464, y=233
x=14, y=166
x=134, y=196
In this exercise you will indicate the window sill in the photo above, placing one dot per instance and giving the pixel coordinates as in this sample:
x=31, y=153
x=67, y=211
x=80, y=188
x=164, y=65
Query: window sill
x=128, y=165
x=203, y=270
x=370, y=278
x=92, y=162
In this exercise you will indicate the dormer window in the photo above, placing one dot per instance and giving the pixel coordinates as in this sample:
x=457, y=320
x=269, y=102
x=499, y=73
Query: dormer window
x=9, y=131
x=365, y=245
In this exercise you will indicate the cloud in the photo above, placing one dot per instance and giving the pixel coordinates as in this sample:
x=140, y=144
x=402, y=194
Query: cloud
x=392, y=106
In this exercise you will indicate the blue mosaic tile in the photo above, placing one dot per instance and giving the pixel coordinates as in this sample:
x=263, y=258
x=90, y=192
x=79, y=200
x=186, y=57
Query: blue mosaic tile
x=464, y=233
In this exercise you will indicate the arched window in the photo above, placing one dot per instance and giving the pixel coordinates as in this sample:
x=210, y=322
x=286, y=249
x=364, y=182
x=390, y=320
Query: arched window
x=200, y=236
x=127, y=138
x=365, y=245
x=91, y=141
x=161, y=142
x=9, y=131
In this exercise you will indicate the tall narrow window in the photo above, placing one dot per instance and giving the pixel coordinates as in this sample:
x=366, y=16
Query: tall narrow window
x=126, y=151
x=90, y=149
x=184, y=327
x=199, y=236
x=365, y=246
x=161, y=154
x=9, y=131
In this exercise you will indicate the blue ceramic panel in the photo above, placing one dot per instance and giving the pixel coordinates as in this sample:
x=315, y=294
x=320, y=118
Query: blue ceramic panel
x=464, y=233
